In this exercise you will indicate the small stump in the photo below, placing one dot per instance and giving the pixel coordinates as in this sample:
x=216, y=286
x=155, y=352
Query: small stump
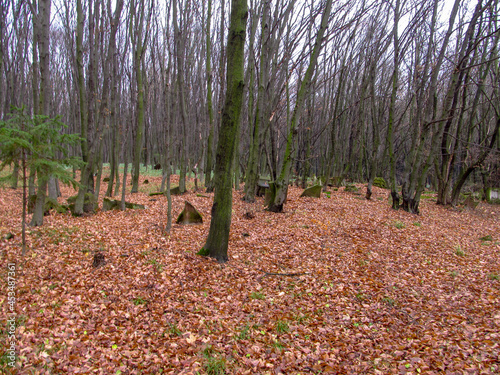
x=189, y=215
x=249, y=215
x=99, y=260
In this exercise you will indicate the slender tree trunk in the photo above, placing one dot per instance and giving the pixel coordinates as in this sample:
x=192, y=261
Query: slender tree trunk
x=392, y=108
x=168, y=226
x=112, y=69
x=252, y=172
x=41, y=194
x=43, y=23
x=218, y=236
x=208, y=63
x=125, y=170
x=222, y=86
x=281, y=184
x=139, y=33
x=180, y=52
x=140, y=131
x=421, y=156
x=25, y=198
x=15, y=175
x=87, y=107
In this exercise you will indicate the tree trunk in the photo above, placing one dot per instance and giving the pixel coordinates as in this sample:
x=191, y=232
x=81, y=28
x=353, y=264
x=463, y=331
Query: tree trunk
x=125, y=170
x=113, y=82
x=420, y=157
x=87, y=105
x=218, y=236
x=208, y=63
x=392, y=108
x=281, y=183
x=39, y=210
x=457, y=187
x=139, y=27
x=42, y=24
x=15, y=176
x=180, y=52
x=252, y=175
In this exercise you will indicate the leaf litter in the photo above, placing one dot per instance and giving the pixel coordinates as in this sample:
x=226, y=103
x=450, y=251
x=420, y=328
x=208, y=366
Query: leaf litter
x=332, y=285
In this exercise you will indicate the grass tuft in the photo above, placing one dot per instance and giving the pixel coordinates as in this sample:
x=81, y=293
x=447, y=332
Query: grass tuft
x=215, y=364
x=399, y=224
x=459, y=251
x=257, y=295
x=139, y=301
x=282, y=326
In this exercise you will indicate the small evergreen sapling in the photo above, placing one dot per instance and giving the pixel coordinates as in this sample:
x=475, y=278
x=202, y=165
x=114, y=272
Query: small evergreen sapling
x=38, y=144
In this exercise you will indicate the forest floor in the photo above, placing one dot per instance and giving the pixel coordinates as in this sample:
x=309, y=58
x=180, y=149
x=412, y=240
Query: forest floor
x=334, y=285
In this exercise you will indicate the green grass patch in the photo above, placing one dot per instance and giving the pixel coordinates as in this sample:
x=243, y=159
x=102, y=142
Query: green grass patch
x=157, y=265
x=244, y=333
x=399, y=224
x=427, y=196
x=282, y=326
x=214, y=363
x=389, y=301
x=257, y=295
x=301, y=318
x=278, y=345
x=360, y=296
x=173, y=330
x=487, y=238
x=459, y=251
x=139, y=301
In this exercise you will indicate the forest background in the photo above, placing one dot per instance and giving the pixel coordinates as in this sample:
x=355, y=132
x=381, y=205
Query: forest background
x=398, y=90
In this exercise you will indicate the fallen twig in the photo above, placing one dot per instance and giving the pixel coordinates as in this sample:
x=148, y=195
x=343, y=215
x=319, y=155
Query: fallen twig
x=282, y=274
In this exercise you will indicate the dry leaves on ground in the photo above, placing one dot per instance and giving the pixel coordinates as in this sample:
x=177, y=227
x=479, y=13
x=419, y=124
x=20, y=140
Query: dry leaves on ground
x=332, y=285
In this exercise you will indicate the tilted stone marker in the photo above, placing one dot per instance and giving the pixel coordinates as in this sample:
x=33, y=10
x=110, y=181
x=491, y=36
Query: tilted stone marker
x=189, y=215
x=313, y=191
x=262, y=187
